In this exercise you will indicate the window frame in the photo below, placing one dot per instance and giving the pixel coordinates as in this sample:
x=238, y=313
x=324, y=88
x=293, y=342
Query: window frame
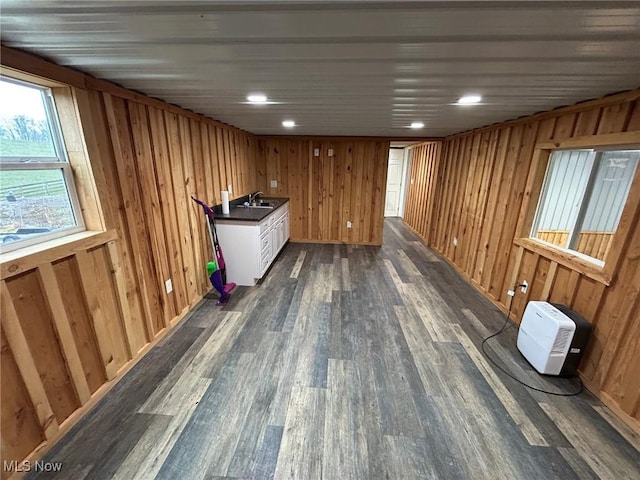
x=60, y=162
x=601, y=271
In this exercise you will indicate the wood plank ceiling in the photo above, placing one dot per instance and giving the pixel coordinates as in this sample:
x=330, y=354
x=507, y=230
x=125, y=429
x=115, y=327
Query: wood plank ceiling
x=343, y=68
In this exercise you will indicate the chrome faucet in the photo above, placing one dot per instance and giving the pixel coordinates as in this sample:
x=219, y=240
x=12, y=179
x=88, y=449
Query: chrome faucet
x=252, y=197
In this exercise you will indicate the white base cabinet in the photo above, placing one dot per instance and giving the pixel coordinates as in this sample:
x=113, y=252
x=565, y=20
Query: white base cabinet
x=249, y=248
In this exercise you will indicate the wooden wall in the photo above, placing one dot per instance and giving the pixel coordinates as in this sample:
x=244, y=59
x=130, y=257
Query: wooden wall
x=481, y=181
x=327, y=191
x=421, y=183
x=76, y=317
x=594, y=244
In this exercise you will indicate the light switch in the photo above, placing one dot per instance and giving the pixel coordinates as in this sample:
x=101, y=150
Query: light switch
x=330, y=152
x=316, y=152
x=274, y=183
x=168, y=286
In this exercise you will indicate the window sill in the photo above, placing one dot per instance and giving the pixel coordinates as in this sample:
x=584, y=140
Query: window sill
x=27, y=258
x=569, y=260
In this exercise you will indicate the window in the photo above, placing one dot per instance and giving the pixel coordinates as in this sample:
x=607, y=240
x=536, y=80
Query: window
x=584, y=193
x=37, y=196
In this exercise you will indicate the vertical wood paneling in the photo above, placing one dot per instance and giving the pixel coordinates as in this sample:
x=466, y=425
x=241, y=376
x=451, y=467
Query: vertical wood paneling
x=214, y=162
x=68, y=279
x=224, y=144
x=30, y=366
x=326, y=191
x=110, y=344
x=168, y=211
x=379, y=193
x=455, y=215
x=21, y=431
x=296, y=180
x=616, y=318
x=500, y=240
x=176, y=161
x=410, y=187
x=191, y=211
x=479, y=191
x=347, y=151
x=587, y=123
x=493, y=185
x=119, y=128
x=119, y=293
x=35, y=321
x=524, y=158
x=464, y=227
x=113, y=202
x=199, y=191
x=564, y=127
x=336, y=190
x=482, y=196
x=357, y=174
x=447, y=190
x=615, y=117
x=540, y=276
x=634, y=119
x=98, y=266
x=145, y=171
x=364, y=218
x=209, y=193
x=83, y=318
x=423, y=170
x=53, y=298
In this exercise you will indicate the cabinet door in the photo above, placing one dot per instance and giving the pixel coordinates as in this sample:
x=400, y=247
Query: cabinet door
x=265, y=249
x=286, y=227
x=274, y=241
x=278, y=228
x=281, y=239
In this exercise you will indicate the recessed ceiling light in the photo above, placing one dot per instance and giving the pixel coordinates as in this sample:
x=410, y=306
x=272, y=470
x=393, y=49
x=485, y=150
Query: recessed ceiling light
x=257, y=98
x=289, y=123
x=469, y=100
x=417, y=125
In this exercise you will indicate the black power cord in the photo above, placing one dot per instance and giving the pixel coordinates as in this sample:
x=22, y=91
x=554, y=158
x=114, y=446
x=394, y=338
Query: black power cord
x=504, y=327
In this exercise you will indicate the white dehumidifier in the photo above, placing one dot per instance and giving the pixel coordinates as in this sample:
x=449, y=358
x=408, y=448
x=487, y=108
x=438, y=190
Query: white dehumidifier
x=552, y=338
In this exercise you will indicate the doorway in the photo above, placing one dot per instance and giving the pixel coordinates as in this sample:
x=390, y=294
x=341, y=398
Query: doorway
x=394, y=202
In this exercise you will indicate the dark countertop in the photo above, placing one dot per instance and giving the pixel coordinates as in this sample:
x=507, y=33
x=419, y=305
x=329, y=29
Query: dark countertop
x=240, y=213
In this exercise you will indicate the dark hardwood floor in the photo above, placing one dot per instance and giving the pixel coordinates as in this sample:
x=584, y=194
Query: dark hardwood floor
x=346, y=362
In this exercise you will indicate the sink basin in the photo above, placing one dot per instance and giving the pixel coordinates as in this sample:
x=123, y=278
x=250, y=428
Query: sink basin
x=256, y=206
x=265, y=203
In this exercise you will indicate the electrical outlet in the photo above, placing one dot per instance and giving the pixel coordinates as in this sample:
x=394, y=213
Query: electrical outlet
x=348, y=224
x=511, y=293
x=316, y=152
x=330, y=152
x=274, y=183
x=455, y=241
x=230, y=188
x=168, y=286
x=524, y=286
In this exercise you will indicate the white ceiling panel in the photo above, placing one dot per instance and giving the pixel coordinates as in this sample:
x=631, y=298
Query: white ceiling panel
x=343, y=68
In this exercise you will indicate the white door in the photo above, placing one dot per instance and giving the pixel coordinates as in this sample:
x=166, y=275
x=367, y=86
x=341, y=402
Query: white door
x=394, y=182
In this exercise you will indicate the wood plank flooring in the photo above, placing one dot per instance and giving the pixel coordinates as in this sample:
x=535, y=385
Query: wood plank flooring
x=347, y=362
